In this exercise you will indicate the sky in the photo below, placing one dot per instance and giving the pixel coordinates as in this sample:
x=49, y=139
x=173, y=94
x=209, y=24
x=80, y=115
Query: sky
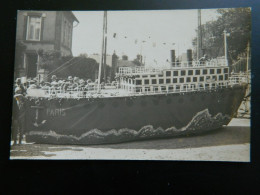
x=152, y=33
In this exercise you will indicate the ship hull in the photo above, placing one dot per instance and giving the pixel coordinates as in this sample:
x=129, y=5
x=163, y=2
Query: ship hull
x=119, y=119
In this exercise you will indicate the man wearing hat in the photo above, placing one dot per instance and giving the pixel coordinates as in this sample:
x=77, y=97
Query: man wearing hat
x=68, y=84
x=18, y=115
x=19, y=84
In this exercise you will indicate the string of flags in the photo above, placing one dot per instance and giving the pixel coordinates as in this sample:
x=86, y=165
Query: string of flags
x=136, y=41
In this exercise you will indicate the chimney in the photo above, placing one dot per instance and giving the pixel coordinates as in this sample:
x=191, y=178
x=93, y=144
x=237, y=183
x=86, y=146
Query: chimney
x=189, y=56
x=173, y=57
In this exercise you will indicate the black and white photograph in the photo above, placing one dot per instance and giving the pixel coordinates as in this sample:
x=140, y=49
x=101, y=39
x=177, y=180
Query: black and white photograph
x=132, y=85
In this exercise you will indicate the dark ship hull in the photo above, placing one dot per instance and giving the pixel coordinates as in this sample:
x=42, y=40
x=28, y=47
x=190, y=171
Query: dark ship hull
x=119, y=119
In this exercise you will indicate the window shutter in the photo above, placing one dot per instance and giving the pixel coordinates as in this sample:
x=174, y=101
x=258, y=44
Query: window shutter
x=25, y=27
x=42, y=26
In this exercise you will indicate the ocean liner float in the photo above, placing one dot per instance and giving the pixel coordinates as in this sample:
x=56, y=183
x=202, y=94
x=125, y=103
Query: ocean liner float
x=186, y=98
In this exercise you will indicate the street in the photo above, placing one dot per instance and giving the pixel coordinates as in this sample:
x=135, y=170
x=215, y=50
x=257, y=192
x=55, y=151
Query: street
x=231, y=143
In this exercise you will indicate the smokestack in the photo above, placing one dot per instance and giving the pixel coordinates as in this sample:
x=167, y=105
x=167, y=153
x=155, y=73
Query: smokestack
x=172, y=57
x=189, y=56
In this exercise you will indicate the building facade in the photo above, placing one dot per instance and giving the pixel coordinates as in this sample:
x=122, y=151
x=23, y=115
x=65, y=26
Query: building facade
x=45, y=31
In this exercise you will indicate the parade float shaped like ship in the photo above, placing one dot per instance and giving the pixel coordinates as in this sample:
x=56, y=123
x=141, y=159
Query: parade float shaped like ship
x=147, y=103
x=186, y=98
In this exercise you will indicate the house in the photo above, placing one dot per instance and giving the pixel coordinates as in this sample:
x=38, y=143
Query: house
x=45, y=31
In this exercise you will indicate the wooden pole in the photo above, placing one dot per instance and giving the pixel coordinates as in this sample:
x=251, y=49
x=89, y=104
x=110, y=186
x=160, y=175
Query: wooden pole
x=102, y=51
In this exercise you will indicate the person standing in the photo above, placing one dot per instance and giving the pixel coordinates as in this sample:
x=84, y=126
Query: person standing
x=18, y=116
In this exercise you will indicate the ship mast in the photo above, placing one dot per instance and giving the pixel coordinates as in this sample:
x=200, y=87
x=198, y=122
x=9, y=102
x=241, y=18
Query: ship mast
x=105, y=48
x=102, y=50
x=199, y=38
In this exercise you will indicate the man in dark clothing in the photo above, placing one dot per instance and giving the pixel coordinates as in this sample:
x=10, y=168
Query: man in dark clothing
x=18, y=116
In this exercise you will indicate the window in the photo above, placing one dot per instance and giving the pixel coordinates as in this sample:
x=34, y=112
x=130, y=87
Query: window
x=190, y=72
x=212, y=71
x=152, y=75
x=178, y=87
x=155, y=88
x=163, y=88
x=194, y=79
x=226, y=76
x=225, y=70
x=175, y=73
x=220, y=78
x=168, y=73
x=188, y=79
x=138, y=89
x=218, y=71
x=183, y=73
x=138, y=82
x=205, y=71
x=168, y=80
x=170, y=88
x=154, y=81
x=181, y=80
x=174, y=80
x=160, y=81
x=147, y=89
x=197, y=72
x=160, y=75
x=145, y=76
x=201, y=78
x=146, y=82
x=33, y=28
x=214, y=77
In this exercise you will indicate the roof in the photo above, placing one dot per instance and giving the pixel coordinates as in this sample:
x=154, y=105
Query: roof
x=73, y=16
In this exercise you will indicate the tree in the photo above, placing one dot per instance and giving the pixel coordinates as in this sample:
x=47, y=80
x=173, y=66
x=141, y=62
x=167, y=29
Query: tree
x=64, y=66
x=237, y=22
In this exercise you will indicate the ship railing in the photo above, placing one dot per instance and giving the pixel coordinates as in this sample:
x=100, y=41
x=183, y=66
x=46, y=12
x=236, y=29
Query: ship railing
x=76, y=91
x=239, y=78
x=186, y=88
x=206, y=63
x=137, y=70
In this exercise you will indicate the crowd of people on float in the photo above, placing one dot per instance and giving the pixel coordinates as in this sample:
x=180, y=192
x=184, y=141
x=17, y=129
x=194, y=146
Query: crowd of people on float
x=70, y=84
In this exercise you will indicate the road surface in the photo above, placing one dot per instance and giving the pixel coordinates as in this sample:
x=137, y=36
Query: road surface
x=231, y=143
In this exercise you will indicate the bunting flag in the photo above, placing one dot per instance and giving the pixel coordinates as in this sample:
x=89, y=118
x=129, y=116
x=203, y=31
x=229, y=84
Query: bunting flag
x=148, y=40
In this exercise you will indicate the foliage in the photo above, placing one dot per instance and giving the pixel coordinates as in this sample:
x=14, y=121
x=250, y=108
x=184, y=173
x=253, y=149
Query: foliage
x=237, y=22
x=137, y=61
x=64, y=66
